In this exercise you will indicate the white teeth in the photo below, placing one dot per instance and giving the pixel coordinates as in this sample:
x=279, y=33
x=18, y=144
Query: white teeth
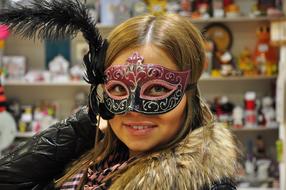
x=139, y=127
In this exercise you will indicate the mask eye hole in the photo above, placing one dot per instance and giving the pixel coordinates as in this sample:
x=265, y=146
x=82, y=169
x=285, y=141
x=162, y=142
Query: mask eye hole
x=157, y=89
x=116, y=90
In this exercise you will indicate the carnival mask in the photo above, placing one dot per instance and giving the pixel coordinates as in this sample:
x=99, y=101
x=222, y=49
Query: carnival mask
x=145, y=88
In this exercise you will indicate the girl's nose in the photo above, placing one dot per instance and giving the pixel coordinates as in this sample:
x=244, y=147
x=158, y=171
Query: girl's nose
x=133, y=113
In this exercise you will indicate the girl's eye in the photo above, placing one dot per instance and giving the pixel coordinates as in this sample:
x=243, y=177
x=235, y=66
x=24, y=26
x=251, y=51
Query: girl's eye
x=156, y=90
x=117, y=90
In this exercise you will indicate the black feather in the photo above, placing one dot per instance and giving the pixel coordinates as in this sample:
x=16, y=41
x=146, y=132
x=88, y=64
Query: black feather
x=57, y=19
x=51, y=19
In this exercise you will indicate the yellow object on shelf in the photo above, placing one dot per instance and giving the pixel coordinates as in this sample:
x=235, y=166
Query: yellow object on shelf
x=157, y=6
x=22, y=127
x=215, y=73
x=279, y=150
x=2, y=44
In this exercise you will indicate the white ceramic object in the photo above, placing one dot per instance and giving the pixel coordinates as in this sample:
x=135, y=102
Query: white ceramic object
x=7, y=130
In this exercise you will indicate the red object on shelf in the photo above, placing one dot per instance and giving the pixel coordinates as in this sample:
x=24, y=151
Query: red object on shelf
x=3, y=99
x=227, y=2
x=265, y=55
x=250, y=118
x=4, y=32
x=249, y=105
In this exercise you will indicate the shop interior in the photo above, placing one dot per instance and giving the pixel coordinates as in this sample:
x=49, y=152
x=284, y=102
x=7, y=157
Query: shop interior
x=244, y=81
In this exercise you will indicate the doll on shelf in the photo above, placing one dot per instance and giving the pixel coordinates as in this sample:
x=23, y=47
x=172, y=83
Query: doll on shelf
x=246, y=64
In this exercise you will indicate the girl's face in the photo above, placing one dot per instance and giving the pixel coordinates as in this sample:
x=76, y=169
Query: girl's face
x=141, y=132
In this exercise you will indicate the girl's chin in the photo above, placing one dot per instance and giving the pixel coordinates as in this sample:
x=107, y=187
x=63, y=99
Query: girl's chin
x=138, y=148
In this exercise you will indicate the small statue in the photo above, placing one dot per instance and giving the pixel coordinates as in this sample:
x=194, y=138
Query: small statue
x=269, y=112
x=245, y=63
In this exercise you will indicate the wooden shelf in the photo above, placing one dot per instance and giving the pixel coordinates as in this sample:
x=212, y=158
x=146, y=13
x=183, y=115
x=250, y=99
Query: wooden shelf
x=46, y=84
x=257, y=188
x=210, y=20
x=83, y=83
x=256, y=129
x=239, y=78
x=237, y=19
x=25, y=134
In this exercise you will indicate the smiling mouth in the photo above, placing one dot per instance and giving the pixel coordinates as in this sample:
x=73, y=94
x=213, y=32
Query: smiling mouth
x=139, y=126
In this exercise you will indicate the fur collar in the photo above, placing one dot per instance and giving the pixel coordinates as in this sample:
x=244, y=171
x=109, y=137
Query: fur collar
x=205, y=156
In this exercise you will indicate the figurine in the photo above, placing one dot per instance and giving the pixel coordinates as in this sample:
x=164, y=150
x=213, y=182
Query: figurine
x=246, y=64
x=185, y=8
x=218, y=9
x=77, y=72
x=265, y=55
x=157, y=6
x=226, y=62
x=223, y=108
x=231, y=9
x=138, y=8
x=269, y=112
x=58, y=68
x=250, y=115
x=237, y=115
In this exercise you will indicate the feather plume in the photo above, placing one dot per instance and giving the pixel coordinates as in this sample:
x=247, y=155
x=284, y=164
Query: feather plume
x=57, y=19
x=51, y=19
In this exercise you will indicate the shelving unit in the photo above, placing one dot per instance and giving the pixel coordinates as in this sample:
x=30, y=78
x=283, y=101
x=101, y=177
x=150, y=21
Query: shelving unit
x=241, y=19
x=25, y=135
x=258, y=189
x=234, y=87
x=258, y=129
x=83, y=83
x=46, y=84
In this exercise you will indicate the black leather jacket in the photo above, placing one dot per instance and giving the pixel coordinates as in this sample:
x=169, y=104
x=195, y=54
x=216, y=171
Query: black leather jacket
x=34, y=165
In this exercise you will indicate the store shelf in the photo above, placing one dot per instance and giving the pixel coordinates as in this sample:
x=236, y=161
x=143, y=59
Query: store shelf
x=237, y=19
x=25, y=134
x=258, y=188
x=209, y=20
x=256, y=129
x=238, y=78
x=46, y=84
x=83, y=83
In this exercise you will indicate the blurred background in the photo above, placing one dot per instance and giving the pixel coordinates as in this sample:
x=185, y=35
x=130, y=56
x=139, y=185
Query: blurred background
x=244, y=81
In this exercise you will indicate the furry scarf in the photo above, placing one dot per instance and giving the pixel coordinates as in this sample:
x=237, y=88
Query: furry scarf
x=207, y=155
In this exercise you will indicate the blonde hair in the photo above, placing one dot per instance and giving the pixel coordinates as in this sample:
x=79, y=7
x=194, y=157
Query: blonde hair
x=180, y=39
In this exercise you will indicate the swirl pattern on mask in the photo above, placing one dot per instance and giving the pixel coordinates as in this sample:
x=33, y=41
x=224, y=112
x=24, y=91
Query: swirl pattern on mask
x=134, y=74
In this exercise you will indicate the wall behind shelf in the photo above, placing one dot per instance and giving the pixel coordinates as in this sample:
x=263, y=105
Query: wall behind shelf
x=33, y=50
x=243, y=35
x=62, y=95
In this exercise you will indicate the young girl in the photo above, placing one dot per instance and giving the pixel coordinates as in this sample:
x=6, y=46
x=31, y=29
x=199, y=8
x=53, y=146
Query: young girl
x=160, y=133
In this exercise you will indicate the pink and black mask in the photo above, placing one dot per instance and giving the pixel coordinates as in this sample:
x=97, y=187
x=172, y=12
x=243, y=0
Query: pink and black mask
x=145, y=88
